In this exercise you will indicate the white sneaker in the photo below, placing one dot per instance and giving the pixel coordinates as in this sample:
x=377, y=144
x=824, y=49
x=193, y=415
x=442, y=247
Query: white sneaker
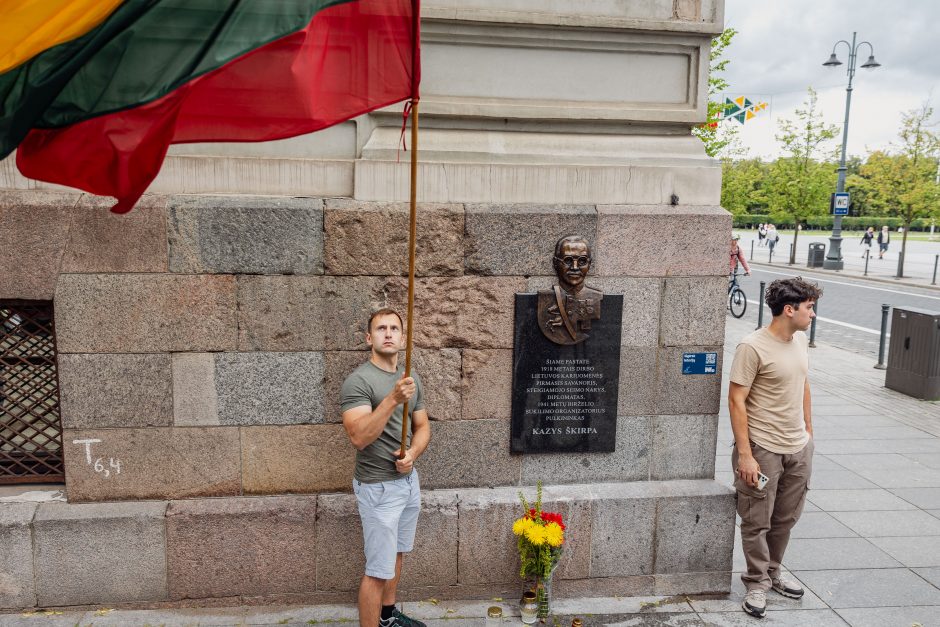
x=755, y=603
x=787, y=587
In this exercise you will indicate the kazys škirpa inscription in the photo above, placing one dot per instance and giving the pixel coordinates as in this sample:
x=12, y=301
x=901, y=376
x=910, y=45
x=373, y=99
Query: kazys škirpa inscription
x=566, y=361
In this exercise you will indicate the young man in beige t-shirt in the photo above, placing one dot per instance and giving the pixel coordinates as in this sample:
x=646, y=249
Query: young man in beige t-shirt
x=771, y=416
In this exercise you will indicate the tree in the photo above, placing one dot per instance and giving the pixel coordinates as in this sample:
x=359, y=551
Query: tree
x=713, y=134
x=742, y=184
x=857, y=186
x=800, y=183
x=904, y=184
x=880, y=181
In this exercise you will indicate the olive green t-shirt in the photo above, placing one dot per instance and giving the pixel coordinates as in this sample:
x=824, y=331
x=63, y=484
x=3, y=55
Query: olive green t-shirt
x=775, y=371
x=367, y=386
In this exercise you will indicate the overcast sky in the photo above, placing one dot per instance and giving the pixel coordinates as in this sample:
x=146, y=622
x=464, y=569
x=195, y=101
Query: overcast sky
x=781, y=45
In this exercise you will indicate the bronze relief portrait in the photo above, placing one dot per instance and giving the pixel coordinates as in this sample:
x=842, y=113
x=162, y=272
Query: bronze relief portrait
x=565, y=312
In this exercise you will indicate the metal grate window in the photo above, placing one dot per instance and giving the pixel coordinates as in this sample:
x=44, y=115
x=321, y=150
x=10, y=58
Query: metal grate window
x=30, y=428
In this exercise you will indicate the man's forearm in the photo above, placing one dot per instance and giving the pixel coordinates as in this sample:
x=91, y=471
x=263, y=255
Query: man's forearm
x=420, y=437
x=739, y=428
x=808, y=408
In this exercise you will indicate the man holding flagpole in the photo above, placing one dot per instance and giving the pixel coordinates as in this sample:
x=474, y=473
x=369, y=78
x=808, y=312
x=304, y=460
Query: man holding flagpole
x=386, y=485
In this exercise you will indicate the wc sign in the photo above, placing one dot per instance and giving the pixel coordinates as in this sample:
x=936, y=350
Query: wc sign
x=839, y=203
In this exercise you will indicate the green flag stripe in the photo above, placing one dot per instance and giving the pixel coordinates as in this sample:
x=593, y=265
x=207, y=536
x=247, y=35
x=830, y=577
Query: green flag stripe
x=143, y=51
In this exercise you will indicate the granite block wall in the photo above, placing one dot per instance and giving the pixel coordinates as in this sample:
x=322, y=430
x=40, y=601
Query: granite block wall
x=202, y=328
x=639, y=538
x=201, y=345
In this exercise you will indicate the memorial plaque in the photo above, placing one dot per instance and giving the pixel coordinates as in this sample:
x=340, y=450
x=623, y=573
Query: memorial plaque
x=566, y=361
x=564, y=398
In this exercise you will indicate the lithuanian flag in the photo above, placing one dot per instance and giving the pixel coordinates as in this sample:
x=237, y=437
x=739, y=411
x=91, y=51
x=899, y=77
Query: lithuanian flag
x=93, y=92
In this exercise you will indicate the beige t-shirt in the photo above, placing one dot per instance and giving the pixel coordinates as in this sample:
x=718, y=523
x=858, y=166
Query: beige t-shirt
x=775, y=371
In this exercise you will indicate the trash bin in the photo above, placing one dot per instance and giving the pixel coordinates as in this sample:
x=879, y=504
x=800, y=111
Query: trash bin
x=914, y=353
x=817, y=255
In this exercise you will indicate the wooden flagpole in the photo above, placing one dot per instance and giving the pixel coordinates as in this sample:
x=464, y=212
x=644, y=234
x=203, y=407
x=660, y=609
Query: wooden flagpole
x=411, y=263
x=413, y=232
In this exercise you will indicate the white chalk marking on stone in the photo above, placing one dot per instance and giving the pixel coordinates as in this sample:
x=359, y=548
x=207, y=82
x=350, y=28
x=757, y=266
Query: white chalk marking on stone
x=87, y=444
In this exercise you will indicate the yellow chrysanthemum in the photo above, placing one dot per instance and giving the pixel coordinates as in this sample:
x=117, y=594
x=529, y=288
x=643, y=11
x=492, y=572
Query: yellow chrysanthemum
x=519, y=527
x=535, y=534
x=554, y=534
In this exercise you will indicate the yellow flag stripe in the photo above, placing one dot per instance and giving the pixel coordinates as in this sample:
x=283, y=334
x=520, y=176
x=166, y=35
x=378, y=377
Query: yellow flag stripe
x=27, y=27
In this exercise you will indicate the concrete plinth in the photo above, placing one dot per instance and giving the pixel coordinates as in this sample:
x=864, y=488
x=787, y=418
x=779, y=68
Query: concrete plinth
x=241, y=546
x=16, y=555
x=100, y=553
x=635, y=538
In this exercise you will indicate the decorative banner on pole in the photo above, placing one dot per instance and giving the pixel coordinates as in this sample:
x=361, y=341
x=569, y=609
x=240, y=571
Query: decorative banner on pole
x=741, y=109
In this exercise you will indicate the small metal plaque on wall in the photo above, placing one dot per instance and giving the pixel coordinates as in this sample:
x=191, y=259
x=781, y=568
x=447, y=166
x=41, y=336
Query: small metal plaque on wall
x=699, y=363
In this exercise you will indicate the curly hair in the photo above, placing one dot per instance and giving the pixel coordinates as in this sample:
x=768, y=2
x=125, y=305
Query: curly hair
x=783, y=292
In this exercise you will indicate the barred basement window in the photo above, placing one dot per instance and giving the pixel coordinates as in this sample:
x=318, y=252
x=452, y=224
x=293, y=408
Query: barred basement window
x=30, y=427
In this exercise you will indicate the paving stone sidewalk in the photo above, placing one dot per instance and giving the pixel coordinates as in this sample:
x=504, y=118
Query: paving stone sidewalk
x=867, y=549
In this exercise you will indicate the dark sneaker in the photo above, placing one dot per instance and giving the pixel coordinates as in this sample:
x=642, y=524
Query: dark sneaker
x=787, y=587
x=755, y=603
x=400, y=620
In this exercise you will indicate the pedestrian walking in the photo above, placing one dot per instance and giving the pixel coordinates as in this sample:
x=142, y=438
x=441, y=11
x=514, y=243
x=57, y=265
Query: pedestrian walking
x=884, y=238
x=772, y=237
x=387, y=489
x=761, y=234
x=771, y=416
x=867, y=238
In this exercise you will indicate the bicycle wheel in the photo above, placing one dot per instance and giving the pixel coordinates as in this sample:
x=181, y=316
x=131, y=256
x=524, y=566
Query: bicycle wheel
x=737, y=302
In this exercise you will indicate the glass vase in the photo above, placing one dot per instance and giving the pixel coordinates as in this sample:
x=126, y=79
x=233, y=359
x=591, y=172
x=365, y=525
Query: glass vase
x=543, y=595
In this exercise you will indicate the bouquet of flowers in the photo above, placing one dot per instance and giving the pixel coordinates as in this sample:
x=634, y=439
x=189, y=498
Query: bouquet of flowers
x=541, y=540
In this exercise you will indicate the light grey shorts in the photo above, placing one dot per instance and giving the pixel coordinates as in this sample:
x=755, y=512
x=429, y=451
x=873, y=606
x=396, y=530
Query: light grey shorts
x=389, y=513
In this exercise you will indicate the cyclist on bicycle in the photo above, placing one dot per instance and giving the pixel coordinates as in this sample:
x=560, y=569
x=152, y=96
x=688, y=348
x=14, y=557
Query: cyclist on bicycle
x=737, y=254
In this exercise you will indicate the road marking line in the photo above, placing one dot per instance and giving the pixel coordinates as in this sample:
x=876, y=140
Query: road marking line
x=867, y=287
x=840, y=323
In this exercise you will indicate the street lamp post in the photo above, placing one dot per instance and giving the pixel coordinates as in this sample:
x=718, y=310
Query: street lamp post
x=833, y=259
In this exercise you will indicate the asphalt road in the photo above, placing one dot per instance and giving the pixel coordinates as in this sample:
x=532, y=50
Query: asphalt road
x=849, y=313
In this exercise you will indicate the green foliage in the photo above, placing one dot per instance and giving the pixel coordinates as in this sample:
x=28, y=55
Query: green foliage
x=896, y=187
x=799, y=184
x=714, y=135
x=910, y=187
x=881, y=181
x=742, y=185
x=536, y=561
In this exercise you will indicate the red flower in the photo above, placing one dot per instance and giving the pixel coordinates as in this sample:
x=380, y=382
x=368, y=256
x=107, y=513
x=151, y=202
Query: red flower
x=553, y=517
